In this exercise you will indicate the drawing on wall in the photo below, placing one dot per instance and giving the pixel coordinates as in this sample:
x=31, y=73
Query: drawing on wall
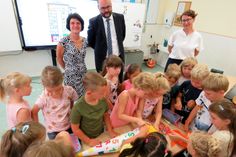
x=181, y=8
x=136, y=37
x=125, y=10
x=134, y=19
x=138, y=24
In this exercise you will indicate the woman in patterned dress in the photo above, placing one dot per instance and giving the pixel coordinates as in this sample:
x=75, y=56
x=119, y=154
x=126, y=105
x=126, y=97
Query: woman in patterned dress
x=71, y=51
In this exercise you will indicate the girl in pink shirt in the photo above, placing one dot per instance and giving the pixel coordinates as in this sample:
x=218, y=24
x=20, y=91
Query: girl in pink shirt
x=153, y=102
x=16, y=86
x=132, y=70
x=129, y=105
x=55, y=102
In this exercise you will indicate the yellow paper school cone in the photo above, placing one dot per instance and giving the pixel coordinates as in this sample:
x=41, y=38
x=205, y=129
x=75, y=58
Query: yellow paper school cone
x=109, y=146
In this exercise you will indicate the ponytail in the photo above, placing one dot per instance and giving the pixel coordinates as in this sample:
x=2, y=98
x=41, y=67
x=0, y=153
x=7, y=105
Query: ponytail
x=2, y=89
x=104, y=67
x=11, y=81
x=6, y=143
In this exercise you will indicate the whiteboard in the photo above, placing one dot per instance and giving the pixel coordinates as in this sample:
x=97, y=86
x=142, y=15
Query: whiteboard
x=10, y=40
x=49, y=17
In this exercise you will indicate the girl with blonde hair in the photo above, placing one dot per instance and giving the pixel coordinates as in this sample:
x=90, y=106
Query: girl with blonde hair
x=15, y=86
x=153, y=101
x=129, y=105
x=55, y=102
x=186, y=67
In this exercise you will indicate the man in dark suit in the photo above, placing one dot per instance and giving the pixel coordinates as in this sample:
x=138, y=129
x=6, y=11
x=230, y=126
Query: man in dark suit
x=98, y=35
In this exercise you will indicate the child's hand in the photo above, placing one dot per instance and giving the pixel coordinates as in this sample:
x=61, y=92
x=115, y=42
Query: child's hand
x=113, y=134
x=156, y=125
x=93, y=142
x=141, y=122
x=178, y=106
x=191, y=104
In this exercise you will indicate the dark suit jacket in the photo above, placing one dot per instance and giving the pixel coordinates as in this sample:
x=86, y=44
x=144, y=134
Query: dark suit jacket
x=97, y=37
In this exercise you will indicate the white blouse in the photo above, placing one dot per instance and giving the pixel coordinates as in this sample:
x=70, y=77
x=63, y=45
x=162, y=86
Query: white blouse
x=184, y=45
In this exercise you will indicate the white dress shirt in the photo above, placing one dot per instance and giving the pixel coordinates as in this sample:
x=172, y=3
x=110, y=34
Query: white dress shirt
x=115, y=48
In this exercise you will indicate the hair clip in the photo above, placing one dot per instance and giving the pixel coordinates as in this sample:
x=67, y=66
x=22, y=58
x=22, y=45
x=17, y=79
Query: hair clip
x=166, y=152
x=13, y=129
x=24, y=128
x=221, y=107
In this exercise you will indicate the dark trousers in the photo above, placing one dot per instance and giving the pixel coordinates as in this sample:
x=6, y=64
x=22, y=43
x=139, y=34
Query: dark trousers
x=52, y=135
x=172, y=61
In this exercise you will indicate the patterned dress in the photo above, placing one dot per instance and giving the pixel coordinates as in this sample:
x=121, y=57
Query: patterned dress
x=75, y=67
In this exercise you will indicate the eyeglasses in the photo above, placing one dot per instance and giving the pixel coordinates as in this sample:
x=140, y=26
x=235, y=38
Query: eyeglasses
x=186, y=20
x=107, y=7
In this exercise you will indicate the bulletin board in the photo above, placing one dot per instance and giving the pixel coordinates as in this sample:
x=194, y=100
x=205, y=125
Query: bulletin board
x=181, y=8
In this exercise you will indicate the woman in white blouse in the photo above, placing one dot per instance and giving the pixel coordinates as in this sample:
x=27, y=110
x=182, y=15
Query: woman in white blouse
x=185, y=42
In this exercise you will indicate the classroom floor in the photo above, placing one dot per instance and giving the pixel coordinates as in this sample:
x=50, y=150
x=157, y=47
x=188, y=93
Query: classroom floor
x=36, y=91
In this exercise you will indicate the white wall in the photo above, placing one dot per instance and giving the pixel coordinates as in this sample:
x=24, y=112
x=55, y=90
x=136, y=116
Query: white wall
x=219, y=52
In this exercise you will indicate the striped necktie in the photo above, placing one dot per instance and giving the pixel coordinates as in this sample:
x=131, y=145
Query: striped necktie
x=109, y=42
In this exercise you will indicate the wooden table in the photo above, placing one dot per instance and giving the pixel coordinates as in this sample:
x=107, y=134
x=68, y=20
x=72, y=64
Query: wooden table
x=104, y=136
